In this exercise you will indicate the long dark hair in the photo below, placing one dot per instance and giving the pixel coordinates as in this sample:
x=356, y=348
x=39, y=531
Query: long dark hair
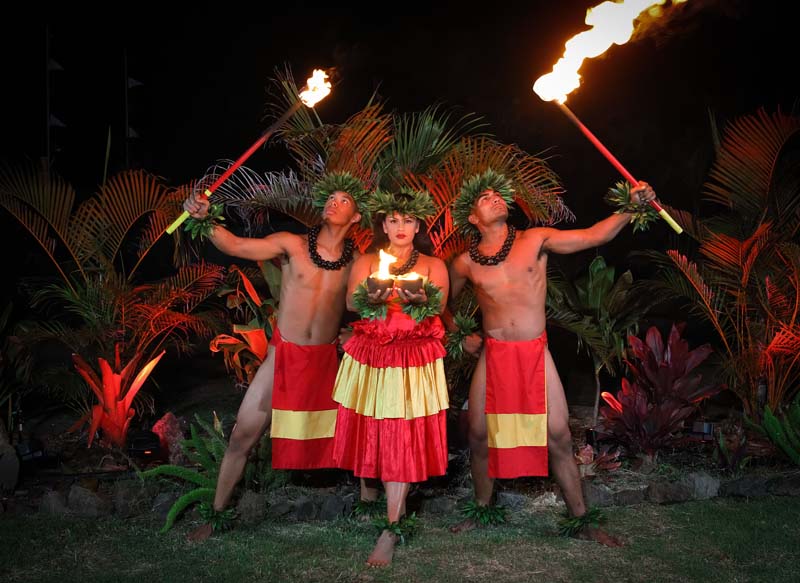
x=380, y=240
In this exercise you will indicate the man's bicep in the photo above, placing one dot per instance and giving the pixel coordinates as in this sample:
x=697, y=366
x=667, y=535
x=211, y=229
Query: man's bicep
x=569, y=241
x=265, y=248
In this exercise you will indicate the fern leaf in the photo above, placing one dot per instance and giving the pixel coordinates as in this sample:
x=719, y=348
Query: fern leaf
x=196, y=495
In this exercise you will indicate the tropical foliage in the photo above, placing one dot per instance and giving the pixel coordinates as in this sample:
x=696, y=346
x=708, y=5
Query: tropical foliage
x=783, y=429
x=206, y=453
x=246, y=348
x=106, y=305
x=600, y=310
x=648, y=413
x=743, y=275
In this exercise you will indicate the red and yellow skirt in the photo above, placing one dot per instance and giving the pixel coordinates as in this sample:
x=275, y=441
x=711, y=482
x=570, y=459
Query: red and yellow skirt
x=303, y=413
x=393, y=401
x=516, y=407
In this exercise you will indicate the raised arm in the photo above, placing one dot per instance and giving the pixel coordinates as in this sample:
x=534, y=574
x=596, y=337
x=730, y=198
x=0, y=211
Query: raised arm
x=254, y=249
x=265, y=248
x=574, y=240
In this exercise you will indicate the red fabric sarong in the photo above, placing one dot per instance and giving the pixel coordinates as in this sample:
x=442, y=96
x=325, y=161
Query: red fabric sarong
x=303, y=382
x=516, y=407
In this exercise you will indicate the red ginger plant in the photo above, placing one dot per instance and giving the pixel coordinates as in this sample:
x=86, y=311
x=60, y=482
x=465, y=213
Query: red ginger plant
x=647, y=414
x=115, y=392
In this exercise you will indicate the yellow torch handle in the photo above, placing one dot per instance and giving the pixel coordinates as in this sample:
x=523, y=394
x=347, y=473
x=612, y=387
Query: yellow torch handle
x=177, y=222
x=670, y=221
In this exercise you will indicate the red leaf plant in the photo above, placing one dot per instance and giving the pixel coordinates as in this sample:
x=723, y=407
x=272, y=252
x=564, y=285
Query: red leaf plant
x=648, y=413
x=115, y=392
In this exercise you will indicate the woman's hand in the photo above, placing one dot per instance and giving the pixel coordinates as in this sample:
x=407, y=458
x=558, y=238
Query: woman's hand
x=418, y=297
x=378, y=296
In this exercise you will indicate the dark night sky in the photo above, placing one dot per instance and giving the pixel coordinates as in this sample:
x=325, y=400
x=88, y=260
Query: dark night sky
x=205, y=66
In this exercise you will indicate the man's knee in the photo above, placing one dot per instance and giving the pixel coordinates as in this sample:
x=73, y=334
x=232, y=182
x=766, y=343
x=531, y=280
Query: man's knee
x=559, y=441
x=478, y=440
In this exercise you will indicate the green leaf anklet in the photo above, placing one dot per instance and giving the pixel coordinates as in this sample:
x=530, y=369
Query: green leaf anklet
x=369, y=508
x=484, y=514
x=572, y=525
x=402, y=529
x=218, y=519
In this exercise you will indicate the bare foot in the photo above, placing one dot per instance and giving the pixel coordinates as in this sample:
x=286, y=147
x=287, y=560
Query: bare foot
x=383, y=552
x=464, y=526
x=600, y=536
x=200, y=533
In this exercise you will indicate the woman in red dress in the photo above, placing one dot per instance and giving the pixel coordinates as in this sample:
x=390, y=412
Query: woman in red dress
x=391, y=387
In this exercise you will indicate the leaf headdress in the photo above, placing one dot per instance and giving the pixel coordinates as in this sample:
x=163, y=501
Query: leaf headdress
x=342, y=182
x=415, y=203
x=471, y=190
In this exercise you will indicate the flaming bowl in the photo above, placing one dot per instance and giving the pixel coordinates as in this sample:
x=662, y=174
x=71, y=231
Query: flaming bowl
x=375, y=283
x=409, y=285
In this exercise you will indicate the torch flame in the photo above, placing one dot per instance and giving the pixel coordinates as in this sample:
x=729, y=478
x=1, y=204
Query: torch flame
x=612, y=23
x=317, y=88
x=386, y=260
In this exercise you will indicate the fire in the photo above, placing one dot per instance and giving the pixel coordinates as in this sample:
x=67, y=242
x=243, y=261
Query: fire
x=612, y=23
x=410, y=276
x=386, y=260
x=317, y=88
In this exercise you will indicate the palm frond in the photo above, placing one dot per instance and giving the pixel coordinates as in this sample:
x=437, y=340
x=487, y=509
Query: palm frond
x=189, y=287
x=101, y=224
x=421, y=140
x=299, y=133
x=41, y=202
x=253, y=195
x=744, y=169
x=359, y=142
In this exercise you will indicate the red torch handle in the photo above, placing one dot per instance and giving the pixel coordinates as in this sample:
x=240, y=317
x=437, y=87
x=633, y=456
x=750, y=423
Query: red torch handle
x=264, y=137
x=616, y=163
x=225, y=175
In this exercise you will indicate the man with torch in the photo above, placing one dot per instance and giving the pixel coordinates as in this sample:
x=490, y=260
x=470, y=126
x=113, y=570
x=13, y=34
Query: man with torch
x=291, y=391
x=518, y=416
x=317, y=88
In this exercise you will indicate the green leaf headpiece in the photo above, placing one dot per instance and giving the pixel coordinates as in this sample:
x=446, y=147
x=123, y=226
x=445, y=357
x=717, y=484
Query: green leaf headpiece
x=472, y=189
x=343, y=182
x=415, y=203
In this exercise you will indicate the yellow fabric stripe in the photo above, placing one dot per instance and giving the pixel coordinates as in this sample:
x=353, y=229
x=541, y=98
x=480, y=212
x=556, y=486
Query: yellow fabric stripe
x=303, y=424
x=392, y=392
x=508, y=430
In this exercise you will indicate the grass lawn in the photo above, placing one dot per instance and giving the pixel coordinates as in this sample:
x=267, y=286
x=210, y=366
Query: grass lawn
x=716, y=540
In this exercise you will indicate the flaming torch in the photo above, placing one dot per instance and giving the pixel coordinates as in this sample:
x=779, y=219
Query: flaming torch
x=612, y=23
x=317, y=88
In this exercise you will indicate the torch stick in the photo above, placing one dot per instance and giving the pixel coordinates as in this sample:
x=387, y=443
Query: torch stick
x=264, y=137
x=610, y=157
x=316, y=88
